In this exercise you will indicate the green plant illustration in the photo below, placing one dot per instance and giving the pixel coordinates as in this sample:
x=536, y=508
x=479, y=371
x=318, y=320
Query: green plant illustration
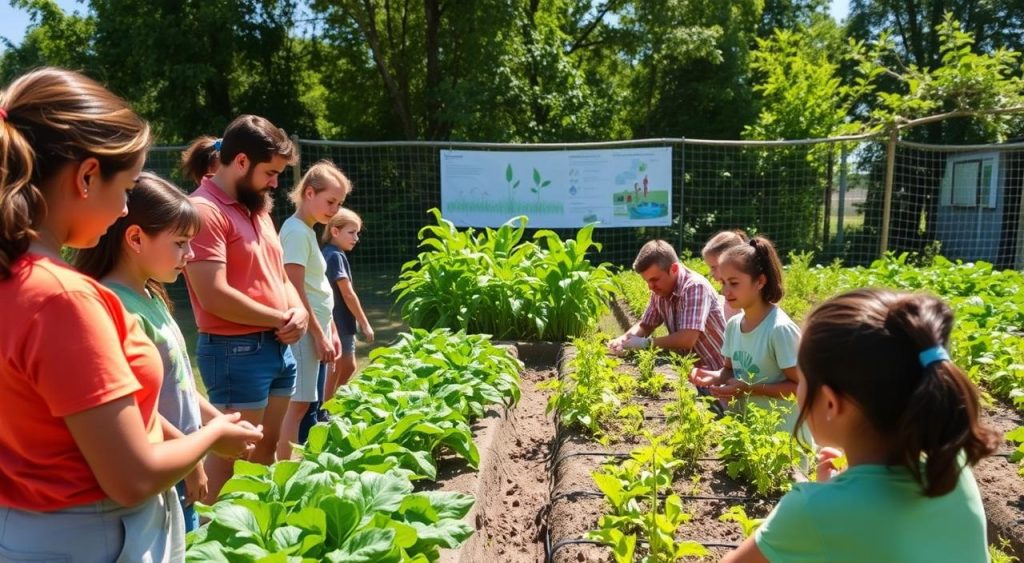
x=511, y=182
x=539, y=183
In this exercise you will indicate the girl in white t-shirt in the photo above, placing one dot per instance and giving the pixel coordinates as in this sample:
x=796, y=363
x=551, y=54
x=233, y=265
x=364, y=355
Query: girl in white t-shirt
x=317, y=198
x=760, y=344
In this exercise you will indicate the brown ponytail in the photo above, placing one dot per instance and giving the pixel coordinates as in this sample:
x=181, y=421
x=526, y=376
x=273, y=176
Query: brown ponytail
x=758, y=257
x=54, y=117
x=200, y=158
x=865, y=345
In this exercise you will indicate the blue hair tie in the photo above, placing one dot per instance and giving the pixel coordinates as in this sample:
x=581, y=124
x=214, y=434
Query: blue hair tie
x=216, y=145
x=932, y=355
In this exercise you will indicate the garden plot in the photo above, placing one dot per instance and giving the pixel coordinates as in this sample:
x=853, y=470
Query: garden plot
x=660, y=444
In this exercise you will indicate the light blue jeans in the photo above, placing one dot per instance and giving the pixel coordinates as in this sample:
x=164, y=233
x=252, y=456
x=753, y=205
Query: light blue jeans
x=100, y=532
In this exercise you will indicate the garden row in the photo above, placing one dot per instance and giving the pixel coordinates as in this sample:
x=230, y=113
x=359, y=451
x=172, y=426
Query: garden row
x=643, y=470
x=352, y=497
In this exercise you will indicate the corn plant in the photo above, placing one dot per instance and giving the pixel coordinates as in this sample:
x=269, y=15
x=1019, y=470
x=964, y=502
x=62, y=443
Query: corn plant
x=495, y=282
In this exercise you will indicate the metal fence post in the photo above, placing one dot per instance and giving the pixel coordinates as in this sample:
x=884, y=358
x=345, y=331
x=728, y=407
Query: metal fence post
x=682, y=189
x=890, y=168
x=297, y=169
x=841, y=212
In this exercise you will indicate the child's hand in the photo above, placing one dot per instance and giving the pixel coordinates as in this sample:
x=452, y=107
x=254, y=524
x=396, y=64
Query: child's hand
x=367, y=331
x=196, y=485
x=827, y=464
x=325, y=349
x=235, y=437
x=702, y=378
x=729, y=389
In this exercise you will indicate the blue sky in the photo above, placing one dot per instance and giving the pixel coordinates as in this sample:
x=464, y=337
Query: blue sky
x=14, y=21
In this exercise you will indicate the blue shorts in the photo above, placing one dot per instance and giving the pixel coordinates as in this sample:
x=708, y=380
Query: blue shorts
x=243, y=372
x=348, y=343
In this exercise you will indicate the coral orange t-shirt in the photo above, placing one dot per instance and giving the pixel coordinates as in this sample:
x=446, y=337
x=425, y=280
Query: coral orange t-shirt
x=66, y=345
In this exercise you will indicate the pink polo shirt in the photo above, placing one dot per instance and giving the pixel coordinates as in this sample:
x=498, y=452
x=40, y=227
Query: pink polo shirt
x=248, y=245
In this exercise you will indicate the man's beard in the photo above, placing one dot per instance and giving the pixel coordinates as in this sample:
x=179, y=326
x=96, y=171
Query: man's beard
x=254, y=200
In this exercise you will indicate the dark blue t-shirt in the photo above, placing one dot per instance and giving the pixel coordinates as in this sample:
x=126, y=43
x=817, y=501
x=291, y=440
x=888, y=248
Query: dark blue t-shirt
x=339, y=269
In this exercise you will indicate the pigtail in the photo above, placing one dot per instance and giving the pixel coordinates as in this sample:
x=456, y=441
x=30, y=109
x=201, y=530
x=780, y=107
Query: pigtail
x=201, y=158
x=941, y=418
x=22, y=206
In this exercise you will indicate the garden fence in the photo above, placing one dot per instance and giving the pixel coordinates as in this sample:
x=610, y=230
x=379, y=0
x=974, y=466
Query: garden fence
x=828, y=196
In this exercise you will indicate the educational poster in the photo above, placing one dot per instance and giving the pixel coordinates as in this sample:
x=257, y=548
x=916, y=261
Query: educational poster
x=558, y=189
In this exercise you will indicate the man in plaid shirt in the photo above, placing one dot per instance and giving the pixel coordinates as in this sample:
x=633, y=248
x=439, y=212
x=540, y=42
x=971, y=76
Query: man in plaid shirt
x=681, y=299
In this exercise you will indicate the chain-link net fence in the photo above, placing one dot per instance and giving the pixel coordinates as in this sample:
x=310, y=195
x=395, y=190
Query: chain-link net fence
x=823, y=196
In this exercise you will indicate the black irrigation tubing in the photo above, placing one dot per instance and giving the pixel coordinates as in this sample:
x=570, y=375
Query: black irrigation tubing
x=573, y=495
x=581, y=541
x=553, y=470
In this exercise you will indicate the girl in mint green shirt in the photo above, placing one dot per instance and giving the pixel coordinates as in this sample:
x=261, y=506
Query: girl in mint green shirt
x=142, y=251
x=876, y=385
x=761, y=341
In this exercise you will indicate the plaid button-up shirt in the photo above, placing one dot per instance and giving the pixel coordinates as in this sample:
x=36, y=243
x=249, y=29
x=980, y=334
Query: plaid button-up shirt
x=693, y=305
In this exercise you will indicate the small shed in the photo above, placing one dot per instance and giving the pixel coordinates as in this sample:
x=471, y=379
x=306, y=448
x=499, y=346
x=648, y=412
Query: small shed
x=980, y=212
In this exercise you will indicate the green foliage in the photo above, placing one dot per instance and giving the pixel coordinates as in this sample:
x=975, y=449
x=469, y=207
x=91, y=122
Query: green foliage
x=998, y=553
x=747, y=524
x=313, y=512
x=634, y=290
x=649, y=381
x=350, y=497
x=691, y=423
x=633, y=491
x=959, y=79
x=593, y=392
x=802, y=92
x=493, y=282
x=755, y=450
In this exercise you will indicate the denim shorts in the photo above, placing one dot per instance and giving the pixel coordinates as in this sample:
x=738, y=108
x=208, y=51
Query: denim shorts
x=244, y=371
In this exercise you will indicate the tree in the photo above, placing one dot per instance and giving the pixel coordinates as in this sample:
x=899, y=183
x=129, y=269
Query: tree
x=969, y=95
x=54, y=38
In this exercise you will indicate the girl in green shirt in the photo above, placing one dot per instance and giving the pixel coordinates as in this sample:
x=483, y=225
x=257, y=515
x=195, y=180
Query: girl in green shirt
x=877, y=385
x=143, y=250
x=761, y=341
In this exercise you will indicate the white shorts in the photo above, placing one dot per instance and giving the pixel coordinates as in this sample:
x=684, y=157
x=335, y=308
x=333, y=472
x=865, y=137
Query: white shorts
x=307, y=368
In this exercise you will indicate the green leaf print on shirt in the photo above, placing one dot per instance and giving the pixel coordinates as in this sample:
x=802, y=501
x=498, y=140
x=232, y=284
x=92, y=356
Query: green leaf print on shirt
x=743, y=367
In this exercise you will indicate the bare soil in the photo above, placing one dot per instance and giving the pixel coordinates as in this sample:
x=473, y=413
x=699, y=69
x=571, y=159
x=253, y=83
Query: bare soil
x=511, y=487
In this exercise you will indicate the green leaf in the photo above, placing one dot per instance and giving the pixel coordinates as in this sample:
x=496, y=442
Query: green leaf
x=375, y=492
x=342, y=518
x=367, y=546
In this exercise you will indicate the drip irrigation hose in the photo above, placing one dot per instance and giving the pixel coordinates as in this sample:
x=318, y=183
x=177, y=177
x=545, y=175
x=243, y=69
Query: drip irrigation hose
x=582, y=541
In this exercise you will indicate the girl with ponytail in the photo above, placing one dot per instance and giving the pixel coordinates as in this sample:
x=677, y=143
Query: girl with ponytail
x=877, y=385
x=84, y=465
x=761, y=341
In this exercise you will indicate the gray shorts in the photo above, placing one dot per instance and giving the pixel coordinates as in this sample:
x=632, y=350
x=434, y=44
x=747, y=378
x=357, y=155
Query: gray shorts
x=307, y=369
x=100, y=532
